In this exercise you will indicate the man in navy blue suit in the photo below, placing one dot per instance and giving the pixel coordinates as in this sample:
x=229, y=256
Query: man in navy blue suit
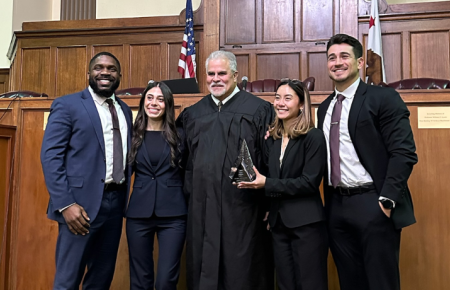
x=84, y=162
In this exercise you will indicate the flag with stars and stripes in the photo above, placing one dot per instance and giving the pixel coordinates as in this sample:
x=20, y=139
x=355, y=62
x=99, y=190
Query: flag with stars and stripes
x=375, y=65
x=186, y=64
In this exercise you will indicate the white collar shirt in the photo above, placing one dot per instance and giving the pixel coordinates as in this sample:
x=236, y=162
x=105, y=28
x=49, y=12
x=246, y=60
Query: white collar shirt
x=107, y=127
x=353, y=173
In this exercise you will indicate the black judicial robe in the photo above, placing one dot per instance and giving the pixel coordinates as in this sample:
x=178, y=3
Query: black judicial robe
x=227, y=244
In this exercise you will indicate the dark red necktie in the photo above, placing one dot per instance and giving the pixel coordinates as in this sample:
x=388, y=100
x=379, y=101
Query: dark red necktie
x=334, y=141
x=117, y=173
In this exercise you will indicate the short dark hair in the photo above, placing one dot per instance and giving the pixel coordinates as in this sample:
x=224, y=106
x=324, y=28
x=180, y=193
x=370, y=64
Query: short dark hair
x=104, y=53
x=347, y=39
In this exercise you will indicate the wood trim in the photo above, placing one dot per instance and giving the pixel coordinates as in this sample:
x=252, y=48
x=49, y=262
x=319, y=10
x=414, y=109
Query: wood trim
x=211, y=32
x=419, y=7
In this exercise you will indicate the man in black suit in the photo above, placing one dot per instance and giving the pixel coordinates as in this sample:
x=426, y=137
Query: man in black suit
x=371, y=153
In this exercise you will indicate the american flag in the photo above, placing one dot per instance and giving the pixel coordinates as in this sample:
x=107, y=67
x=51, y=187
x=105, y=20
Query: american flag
x=186, y=64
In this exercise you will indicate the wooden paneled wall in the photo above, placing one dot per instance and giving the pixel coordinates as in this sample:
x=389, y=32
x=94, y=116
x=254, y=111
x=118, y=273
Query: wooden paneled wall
x=414, y=46
x=4, y=81
x=276, y=39
x=7, y=145
x=53, y=57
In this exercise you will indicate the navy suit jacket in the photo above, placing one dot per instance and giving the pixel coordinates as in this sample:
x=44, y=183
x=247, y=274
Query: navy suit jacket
x=157, y=190
x=73, y=154
x=379, y=127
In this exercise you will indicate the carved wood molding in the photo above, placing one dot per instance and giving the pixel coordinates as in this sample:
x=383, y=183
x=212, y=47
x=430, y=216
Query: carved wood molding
x=406, y=8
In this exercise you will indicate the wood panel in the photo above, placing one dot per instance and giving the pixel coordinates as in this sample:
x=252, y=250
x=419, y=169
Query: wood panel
x=143, y=51
x=71, y=62
x=317, y=68
x=278, y=21
x=392, y=45
x=318, y=20
x=430, y=54
x=242, y=66
x=35, y=71
x=239, y=22
x=145, y=64
x=275, y=66
x=424, y=253
x=415, y=45
x=7, y=145
x=4, y=80
x=174, y=57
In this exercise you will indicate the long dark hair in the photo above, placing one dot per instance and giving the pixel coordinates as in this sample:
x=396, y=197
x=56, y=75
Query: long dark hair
x=303, y=122
x=169, y=130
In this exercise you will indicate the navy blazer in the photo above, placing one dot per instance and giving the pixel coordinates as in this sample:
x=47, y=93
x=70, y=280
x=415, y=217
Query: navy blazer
x=379, y=127
x=157, y=190
x=73, y=154
x=294, y=188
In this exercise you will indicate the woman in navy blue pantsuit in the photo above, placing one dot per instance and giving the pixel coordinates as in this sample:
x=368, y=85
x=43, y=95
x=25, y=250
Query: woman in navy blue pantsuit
x=157, y=204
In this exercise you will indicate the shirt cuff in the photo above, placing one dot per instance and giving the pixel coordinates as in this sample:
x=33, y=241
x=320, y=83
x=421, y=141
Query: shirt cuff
x=62, y=209
x=381, y=198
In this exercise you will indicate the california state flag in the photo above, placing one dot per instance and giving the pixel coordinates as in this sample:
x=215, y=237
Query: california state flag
x=375, y=65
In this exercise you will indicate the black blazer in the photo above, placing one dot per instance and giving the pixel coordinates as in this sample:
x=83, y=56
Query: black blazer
x=381, y=134
x=294, y=188
x=157, y=189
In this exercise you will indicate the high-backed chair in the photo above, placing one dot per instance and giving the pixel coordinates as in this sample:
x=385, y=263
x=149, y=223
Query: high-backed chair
x=420, y=83
x=270, y=85
x=23, y=94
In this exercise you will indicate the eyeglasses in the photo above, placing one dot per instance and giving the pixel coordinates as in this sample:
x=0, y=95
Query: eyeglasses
x=294, y=81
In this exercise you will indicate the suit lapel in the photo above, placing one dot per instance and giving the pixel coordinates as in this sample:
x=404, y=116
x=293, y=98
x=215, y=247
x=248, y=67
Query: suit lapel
x=358, y=101
x=276, y=148
x=165, y=154
x=146, y=155
x=286, y=152
x=89, y=105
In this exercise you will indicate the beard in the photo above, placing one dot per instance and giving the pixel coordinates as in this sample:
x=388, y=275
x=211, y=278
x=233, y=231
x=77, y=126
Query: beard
x=104, y=92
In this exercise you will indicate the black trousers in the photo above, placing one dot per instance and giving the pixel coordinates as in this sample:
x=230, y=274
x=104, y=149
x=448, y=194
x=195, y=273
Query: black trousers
x=364, y=243
x=300, y=256
x=171, y=233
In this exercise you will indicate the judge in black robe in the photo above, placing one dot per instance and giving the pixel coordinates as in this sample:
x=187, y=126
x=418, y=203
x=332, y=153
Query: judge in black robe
x=227, y=244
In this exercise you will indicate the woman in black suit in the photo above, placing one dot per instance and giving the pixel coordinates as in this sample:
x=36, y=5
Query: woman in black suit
x=157, y=204
x=297, y=160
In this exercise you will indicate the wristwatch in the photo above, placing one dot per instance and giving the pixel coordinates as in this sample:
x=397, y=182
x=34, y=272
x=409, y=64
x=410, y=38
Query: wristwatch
x=387, y=203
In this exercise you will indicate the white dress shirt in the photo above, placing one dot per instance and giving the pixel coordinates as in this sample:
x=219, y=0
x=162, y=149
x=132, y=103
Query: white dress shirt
x=106, y=120
x=353, y=173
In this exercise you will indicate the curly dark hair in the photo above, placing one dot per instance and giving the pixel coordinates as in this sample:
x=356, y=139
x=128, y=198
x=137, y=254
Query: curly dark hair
x=169, y=129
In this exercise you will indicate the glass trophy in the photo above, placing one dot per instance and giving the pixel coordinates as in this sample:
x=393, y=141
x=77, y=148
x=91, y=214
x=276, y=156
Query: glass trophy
x=244, y=166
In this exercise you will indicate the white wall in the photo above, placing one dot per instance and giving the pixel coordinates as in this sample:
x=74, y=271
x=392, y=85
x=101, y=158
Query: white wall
x=31, y=10
x=6, y=13
x=141, y=8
